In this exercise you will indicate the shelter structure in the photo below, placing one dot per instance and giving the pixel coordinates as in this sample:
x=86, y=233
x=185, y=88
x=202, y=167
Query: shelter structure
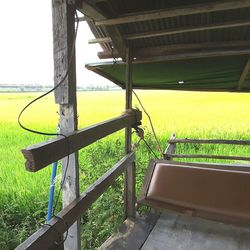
x=179, y=45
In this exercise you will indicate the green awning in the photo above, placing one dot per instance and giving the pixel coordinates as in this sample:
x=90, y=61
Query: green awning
x=206, y=74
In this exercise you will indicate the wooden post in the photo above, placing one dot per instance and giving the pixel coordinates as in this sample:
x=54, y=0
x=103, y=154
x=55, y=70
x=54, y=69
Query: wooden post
x=170, y=148
x=130, y=172
x=65, y=95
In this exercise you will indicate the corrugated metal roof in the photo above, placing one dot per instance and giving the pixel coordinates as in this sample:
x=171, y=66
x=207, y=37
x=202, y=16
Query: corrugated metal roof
x=229, y=27
x=116, y=8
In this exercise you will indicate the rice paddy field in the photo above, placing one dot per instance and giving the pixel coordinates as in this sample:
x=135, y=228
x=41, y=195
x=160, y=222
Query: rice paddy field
x=24, y=195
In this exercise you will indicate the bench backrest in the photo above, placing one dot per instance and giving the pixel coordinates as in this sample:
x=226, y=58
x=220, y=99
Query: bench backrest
x=214, y=192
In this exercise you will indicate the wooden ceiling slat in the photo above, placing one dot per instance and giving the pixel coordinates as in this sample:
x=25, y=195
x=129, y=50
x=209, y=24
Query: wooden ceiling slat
x=181, y=11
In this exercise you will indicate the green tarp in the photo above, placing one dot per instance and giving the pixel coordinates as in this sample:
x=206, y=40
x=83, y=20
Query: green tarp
x=207, y=74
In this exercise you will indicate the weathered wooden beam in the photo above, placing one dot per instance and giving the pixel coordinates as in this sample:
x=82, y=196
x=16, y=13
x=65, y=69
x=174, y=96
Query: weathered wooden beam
x=195, y=54
x=65, y=95
x=100, y=40
x=97, y=1
x=113, y=32
x=187, y=29
x=83, y=19
x=63, y=15
x=181, y=11
x=47, y=235
x=178, y=48
x=244, y=74
x=185, y=48
x=170, y=149
x=63, y=43
x=225, y=157
x=41, y=155
x=179, y=30
x=108, y=54
x=130, y=172
x=210, y=141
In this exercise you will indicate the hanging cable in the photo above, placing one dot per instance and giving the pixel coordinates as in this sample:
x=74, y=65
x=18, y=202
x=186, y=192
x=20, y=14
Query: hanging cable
x=140, y=133
x=151, y=124
x=45, y=94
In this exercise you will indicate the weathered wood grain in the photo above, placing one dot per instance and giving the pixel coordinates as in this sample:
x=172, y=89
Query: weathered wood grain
x=130, y=174
x=210, y=141
x=187, y=29
x=63, y=16
x=170, y=148
x=225, y=157
x=41, y=155
x=185, y=10
x=47, y=235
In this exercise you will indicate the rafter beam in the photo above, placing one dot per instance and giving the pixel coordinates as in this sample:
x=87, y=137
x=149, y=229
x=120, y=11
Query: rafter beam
x=100, y=40
x=187, y=29
x=244, y=74
x=83, y=19
x=179, y=30
x=113, y=32
x=170, y=49
x=182, y=11
x=194, y=55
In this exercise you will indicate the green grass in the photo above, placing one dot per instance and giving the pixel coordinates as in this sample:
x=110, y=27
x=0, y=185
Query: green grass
x=24, y=195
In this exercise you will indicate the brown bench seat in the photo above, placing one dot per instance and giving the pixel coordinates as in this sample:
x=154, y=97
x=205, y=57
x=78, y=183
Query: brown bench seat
x=220, y=192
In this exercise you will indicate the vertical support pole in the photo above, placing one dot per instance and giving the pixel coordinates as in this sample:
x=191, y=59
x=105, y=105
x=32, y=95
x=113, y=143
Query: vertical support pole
x=130, y=171
x=65, y=96
x=170, y=148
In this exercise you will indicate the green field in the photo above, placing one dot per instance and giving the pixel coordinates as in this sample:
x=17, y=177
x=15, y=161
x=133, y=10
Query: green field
x=24, y=195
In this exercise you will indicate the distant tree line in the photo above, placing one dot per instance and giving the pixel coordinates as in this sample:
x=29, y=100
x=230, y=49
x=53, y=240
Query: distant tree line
x=44, y=88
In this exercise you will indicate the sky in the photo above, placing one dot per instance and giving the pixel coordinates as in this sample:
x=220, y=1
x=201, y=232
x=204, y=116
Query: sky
x=26, y=46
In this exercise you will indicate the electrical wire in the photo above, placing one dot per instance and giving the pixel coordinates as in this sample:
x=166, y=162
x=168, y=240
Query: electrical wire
x=45, y=94
x=140, y=133
x=150, y=149
x=151, y=124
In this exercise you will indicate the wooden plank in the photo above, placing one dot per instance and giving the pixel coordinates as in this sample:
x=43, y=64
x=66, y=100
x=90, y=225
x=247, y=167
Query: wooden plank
x=195, y=54
x=225, y=157
x=210, y=141
x=180, y=30
x=63, y=42
x=45, y=236
x=187, y=29
x=244, y=75
x=64, y=61
x=181, y=11
x=113, y=32
x=130, y=174
x=100, y=40
x=132, y=234
x=170, y=49
x=41, y=155
x=108, y=54
x=170, y=147
x=83, y=19
x=58, y=244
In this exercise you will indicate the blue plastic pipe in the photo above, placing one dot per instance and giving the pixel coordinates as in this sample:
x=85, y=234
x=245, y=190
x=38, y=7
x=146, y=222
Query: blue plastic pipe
x=52, y=186
x=51, y=191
